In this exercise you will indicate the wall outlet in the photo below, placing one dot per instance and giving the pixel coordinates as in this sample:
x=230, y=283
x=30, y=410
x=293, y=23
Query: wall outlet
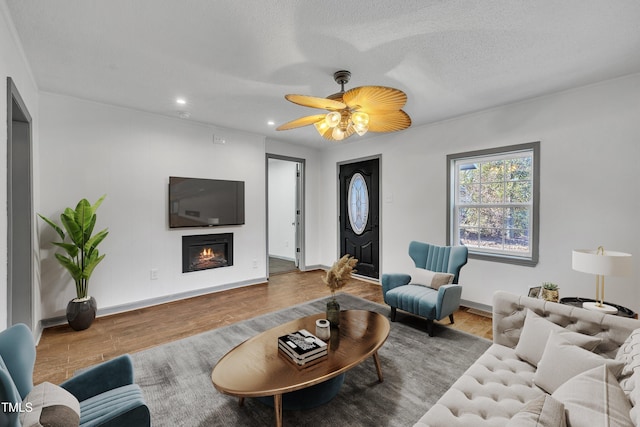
x=154, y=274
x=255, y=263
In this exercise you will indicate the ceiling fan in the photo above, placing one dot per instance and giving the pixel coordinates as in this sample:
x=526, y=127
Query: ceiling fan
x=358, y=110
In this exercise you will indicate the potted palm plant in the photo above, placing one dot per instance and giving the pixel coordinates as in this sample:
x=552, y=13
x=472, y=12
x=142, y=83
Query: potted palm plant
x=80, y=258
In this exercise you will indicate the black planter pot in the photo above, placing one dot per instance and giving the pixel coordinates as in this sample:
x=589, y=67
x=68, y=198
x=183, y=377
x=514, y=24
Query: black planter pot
x=80, y=314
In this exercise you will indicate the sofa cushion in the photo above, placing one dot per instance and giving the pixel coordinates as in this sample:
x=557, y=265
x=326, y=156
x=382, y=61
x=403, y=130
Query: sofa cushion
x=489, y=393
x=509, y=313
x=629, y=354
x=535, y=334
x=543, y=411
x=563, y=360
x=432, y=279
x=594, y=397
x=51, y=406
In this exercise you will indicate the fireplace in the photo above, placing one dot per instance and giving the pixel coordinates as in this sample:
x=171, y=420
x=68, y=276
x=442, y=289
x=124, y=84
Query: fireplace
x=206, y=251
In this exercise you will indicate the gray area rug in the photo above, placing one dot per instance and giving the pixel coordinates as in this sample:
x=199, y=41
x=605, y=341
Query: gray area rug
x=176, y=377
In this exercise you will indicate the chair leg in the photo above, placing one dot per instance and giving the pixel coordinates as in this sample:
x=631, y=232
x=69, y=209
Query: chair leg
x=430, y=327
x=451, y=318
x=393, y=314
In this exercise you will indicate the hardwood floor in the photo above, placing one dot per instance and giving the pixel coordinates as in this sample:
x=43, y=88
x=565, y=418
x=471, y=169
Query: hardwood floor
x=62, y=351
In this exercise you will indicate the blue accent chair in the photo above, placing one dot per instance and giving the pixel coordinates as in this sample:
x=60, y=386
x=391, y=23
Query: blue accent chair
x=424, y=301
x=106, y=392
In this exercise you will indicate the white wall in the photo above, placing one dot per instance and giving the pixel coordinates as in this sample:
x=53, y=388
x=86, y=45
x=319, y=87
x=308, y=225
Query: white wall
x=89, y=149
x=590, y=195
x=282, y=208
x=14, y=65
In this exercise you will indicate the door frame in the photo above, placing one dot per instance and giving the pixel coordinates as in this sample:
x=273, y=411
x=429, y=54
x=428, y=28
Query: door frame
x=300, y=209
x=338, y=223
x=19, y=297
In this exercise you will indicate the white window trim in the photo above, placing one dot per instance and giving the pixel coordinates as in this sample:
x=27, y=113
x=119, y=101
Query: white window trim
x=530, y=259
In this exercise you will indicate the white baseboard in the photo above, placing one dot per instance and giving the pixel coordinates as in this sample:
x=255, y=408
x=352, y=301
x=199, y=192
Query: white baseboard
x=312, y=267
x=283, y=258
x=476, y=305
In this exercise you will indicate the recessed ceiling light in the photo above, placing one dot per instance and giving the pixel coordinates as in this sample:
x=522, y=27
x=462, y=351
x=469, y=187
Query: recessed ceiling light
x=181, y=101
x=271, y=123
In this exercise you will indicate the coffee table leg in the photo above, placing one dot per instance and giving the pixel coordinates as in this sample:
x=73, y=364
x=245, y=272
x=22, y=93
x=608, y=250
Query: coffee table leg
x=277, y=406
x=376, y=359
x=241, y=401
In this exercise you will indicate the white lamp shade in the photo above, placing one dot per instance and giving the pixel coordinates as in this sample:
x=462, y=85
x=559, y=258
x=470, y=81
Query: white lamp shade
x=608, y=263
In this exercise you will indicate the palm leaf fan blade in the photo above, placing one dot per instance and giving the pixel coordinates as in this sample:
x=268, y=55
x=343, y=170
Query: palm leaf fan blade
x=375, y=99
x=315, y=102
x=302, y=121
x=389, y=122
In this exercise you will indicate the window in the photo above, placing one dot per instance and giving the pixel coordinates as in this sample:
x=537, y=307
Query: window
x=358, y=203
x=492, y=199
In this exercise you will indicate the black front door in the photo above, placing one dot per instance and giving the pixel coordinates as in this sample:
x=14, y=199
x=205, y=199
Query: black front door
x=359, y=215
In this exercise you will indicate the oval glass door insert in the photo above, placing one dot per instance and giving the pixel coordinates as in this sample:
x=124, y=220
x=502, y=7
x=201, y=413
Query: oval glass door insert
x=358, y=203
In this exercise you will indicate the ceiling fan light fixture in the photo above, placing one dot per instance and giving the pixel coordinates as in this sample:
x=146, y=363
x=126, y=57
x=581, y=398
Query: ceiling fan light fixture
x=360, y=118
x=337, y=134
x=333, y=119
x=358, y=110
x=360, y=122
x=321, y=127
x=360, y=129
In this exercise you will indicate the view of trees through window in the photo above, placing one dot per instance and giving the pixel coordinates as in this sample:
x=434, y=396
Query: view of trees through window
x=494, y=204
x=492, y=201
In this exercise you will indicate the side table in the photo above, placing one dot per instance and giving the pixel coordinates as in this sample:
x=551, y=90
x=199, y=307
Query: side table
x=577, y=302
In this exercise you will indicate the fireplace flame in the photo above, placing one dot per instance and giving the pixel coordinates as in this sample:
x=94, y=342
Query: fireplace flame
x=207, y=254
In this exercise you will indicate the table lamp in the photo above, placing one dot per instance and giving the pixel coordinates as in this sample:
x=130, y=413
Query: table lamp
x=601, y=263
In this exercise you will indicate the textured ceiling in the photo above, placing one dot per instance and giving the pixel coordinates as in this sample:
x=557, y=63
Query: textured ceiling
x=234, y=60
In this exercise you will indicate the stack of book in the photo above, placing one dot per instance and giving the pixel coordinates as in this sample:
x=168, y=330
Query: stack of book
x=302, y=348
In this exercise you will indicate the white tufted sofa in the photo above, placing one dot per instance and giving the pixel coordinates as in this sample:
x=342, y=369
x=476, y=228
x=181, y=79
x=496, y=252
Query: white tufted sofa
x=499, y=384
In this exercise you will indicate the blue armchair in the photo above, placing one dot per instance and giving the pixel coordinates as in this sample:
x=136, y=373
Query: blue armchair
x=410, y=293
x=106, y=393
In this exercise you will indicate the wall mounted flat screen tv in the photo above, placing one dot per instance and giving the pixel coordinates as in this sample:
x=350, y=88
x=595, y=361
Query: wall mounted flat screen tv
x=195, y=202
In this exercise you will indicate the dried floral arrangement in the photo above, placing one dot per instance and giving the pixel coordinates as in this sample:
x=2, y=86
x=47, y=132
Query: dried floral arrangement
x=340, y=273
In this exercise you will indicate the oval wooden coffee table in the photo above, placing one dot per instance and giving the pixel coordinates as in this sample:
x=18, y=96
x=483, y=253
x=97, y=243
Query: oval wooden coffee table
x=255, y=369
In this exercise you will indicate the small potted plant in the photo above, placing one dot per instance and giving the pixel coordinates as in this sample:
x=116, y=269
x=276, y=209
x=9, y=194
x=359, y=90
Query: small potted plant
x=550, y=291
x=335, y=278
x=81, y=257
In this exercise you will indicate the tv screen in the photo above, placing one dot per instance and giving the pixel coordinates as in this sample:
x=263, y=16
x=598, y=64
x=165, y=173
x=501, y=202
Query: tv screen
x=195, y=202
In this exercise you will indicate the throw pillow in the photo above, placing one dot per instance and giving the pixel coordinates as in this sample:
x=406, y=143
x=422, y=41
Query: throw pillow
x=629, y=354
x=594, y=398
x=430, y=278
x=536, y=331
x=543, y=411
x=51, y=406
x=563, y=360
